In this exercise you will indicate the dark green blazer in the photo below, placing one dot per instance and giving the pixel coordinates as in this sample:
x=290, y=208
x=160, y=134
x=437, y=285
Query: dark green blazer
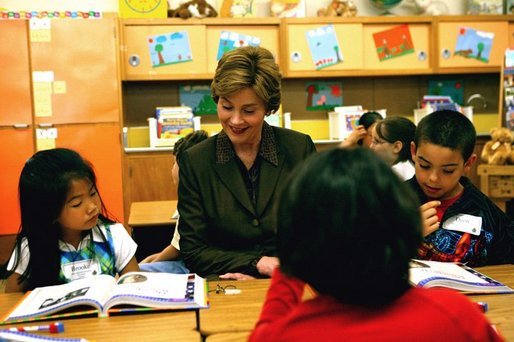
x=220, y=229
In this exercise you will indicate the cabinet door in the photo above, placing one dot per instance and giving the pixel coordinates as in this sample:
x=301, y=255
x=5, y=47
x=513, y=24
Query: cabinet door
x=101, y=145
x=74, y=71
x=511, y=35
x=149, y=177
x=300, y=58
x=16, y=146
x=140, y=41
x=419, y=59
x=268, y=36
x=449, y=33
x=15, y=103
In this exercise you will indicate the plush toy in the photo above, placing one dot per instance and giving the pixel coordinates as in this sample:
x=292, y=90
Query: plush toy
x=193, y=8
x=498, y=151
x=339, y=8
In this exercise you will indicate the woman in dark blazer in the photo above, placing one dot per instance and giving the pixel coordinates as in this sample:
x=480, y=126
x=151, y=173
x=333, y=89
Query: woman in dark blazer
x=229, y=182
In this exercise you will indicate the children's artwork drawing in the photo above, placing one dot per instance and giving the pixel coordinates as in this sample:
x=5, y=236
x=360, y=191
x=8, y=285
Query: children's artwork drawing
x=232, y=40
x=199, y=98
x=352, y=121
x=452, y=88
x=474, y=44
x=324, y=47
x=324, y=95
x=169, y=48
x=394, y=42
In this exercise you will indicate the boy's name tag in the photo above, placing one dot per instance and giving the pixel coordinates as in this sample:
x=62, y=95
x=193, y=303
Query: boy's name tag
x=81, y=269
x=464, y=223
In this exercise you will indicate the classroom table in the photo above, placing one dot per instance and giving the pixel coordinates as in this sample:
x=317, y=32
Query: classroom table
x=152, y=225
x=160, y=326
x=230, y=316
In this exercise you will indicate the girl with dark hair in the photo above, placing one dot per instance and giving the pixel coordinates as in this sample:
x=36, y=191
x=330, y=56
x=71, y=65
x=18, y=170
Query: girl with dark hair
x=65, y=231
x=391, y=141
x=356, y=262
x=361, y=136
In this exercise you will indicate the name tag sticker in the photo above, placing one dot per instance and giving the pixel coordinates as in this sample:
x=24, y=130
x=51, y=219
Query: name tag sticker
x=81, y=269
x=464, y=223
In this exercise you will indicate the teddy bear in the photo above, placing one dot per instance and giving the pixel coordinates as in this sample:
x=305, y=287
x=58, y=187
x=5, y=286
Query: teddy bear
x=193, y=8
x=339, y=8
x=498, y=151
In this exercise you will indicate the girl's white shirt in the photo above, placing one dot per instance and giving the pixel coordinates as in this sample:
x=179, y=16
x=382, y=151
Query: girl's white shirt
x=405, y=169
x=124, y=247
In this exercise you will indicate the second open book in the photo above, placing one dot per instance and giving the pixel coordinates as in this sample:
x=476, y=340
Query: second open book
x=455, y=276
x=103, y=295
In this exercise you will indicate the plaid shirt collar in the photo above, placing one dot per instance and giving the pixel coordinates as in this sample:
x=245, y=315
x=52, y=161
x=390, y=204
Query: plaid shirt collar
x=267, y=150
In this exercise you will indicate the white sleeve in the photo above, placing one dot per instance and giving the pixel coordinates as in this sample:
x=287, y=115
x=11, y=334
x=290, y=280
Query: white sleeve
x=23, y=262
x=176, y=237
x=124, y=247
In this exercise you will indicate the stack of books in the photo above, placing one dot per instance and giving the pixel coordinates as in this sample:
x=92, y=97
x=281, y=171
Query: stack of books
x=169, y=125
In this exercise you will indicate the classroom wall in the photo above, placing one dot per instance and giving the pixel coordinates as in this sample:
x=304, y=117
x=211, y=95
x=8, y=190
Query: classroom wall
x=364, y=7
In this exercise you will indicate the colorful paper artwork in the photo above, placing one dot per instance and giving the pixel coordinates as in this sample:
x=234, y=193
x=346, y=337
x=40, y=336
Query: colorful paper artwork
x=452, y=88
x=169, y=48
x=232, y=40
x=199, y=98
x=324, y=47
x=474, y=44
x=324, y=95
x=394, y=42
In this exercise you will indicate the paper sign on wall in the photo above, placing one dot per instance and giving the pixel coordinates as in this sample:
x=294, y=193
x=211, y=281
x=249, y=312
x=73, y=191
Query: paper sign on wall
x=474, y=44
x=232, y=40
x=40, y=30
x=45, y=138
x=394, y=42
x=169, y=48
x=324, y=47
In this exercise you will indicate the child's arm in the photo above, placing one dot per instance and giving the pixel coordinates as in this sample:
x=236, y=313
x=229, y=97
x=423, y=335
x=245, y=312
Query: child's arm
x=284, y=294
x=167, y=254
x=132, y=266
x=12, y=285
x=354, y=137
x=429, y=217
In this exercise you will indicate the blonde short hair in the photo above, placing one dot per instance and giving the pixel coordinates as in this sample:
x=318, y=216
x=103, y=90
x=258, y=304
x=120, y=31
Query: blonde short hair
x=248, y=67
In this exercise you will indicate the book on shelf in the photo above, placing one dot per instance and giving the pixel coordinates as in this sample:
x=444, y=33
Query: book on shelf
x=453, y=275
x=103, y=295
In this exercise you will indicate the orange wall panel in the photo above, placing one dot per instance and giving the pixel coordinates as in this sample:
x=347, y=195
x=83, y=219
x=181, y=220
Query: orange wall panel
x=15, y=148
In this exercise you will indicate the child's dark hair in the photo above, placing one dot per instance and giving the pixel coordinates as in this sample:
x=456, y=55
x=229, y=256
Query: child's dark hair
x=186, y=142
x=447, y=128
x=349, y=226
x=369, y=118
x=43, y=187
x=397, y=128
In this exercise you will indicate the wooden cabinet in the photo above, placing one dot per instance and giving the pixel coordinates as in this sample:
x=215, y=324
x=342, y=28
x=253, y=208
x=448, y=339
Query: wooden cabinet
x=449, y=30
x=16, y=130
x=69, y=84
x=419, y=61
x=148, y=177
x=298, y=56
x=393, y=83
x=203, y=43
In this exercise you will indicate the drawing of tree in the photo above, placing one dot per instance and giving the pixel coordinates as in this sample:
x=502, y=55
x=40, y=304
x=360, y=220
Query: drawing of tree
x=311, y=90
x=159, y=48
x=336, y=49
x=480, y=48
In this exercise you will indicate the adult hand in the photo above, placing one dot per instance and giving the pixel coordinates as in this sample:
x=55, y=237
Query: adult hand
x=236, y=276
x=429, y=217
x=267, y=264
x=358, y=134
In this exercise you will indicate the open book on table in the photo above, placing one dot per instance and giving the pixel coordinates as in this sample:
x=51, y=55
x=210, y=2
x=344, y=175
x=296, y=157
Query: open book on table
x=103, y=295
x=455, y=276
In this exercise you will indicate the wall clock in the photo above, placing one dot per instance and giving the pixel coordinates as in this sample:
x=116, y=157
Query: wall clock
x=143, y=8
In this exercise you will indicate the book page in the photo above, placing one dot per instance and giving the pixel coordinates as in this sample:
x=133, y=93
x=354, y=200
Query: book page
x=422, y=272
x=151, y=289
x=50, y=299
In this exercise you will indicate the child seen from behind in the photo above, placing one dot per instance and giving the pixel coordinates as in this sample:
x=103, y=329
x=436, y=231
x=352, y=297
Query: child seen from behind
x=357, y=263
